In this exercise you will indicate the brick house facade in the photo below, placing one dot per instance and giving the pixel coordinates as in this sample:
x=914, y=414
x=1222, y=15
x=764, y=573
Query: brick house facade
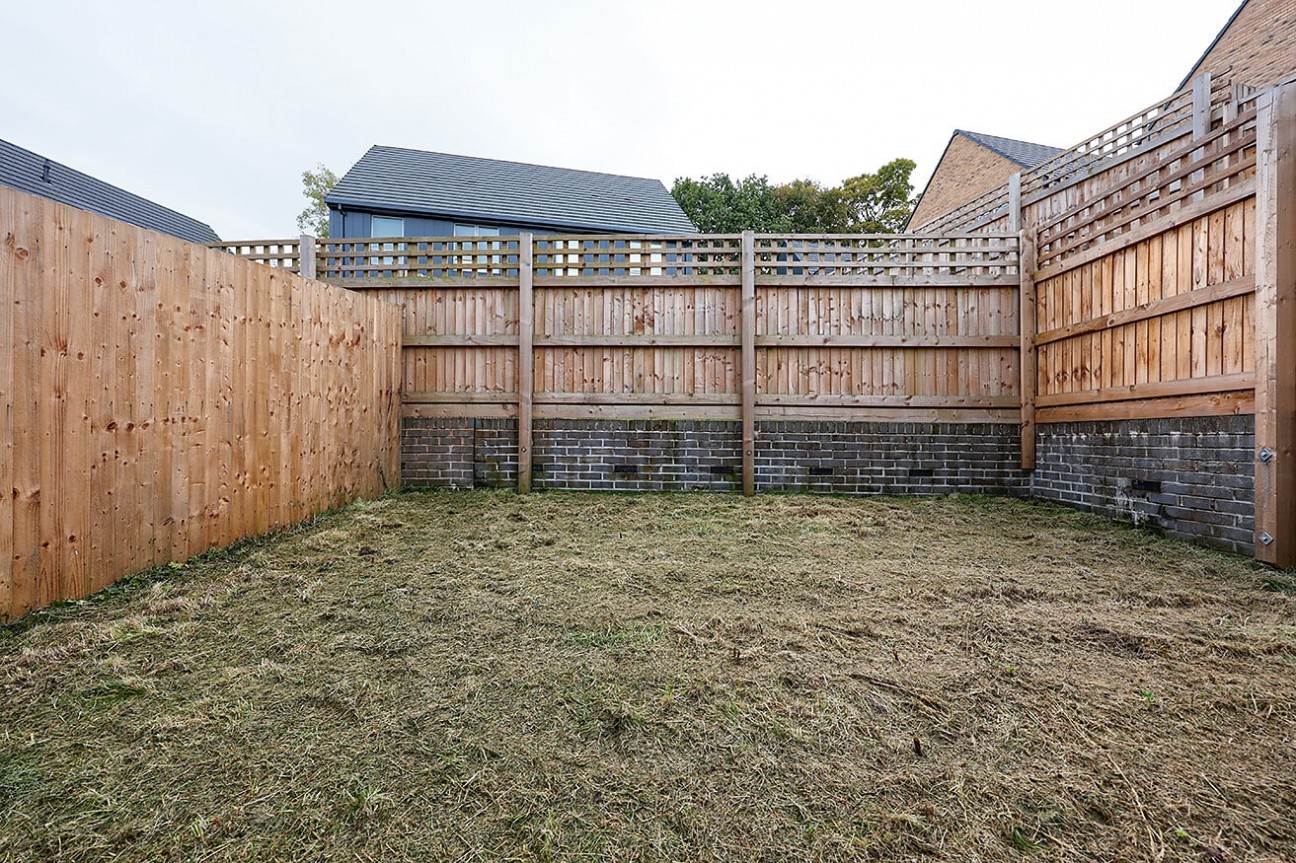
x=1257, y=46
x=973, y=164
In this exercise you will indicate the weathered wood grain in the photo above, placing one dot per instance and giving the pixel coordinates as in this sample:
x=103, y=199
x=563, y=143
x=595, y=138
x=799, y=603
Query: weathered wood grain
x=160, y=399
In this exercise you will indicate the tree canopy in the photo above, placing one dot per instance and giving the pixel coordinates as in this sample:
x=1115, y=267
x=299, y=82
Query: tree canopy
x=876, y=203
x=314, y=219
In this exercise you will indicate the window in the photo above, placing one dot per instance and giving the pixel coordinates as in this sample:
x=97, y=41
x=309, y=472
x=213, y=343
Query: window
x=479, y=264
x=385, y=227
x=475, y=231
x=382, y=226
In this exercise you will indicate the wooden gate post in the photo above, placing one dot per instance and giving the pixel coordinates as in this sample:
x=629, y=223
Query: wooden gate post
x=1275, y=302
x=526, y=358
x=749, y=362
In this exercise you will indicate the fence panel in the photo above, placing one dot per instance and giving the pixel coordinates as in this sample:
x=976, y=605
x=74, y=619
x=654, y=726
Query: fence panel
x=641, y=326
x=1145, y=287
x=167, y=398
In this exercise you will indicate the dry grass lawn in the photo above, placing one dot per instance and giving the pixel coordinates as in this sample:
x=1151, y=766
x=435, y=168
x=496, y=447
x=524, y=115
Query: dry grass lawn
x=475, y=675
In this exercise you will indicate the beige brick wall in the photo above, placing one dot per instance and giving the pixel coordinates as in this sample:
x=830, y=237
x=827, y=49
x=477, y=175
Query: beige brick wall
x=966, y=171
x=1260, y=45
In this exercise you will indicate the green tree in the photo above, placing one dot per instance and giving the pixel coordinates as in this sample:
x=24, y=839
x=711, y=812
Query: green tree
x=870, y=203
x=316, y=184
x=881, y=202
x=805, y=207
x=718, y=205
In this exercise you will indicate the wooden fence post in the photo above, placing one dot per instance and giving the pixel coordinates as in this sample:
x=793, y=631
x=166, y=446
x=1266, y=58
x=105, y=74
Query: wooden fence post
x=306, y=256
x=1014, y=203
x=1026, y=238
x=1201, y=119
x=1029, y=358
x=526, y=358
x=1275, y=301
x=749, y=362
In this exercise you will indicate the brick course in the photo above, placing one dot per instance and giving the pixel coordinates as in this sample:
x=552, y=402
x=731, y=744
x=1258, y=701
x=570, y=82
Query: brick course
x=889, y=458
x=668, y=455
x=1192, y=477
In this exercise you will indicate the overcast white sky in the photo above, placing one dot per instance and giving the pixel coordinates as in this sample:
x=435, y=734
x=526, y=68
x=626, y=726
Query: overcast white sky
x=215, y=109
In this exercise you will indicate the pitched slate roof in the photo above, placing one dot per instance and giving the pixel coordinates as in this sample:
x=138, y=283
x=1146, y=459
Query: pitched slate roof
x=469, y=188
x=32, y=173
x=1024, y=153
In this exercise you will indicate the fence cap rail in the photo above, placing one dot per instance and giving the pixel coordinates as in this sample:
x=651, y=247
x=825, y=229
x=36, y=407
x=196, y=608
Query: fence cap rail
x=226, y=244
x=692, y=238
x=959, y=235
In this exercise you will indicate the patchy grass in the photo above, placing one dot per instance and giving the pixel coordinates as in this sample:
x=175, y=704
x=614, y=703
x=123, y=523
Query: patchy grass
x=577, y=677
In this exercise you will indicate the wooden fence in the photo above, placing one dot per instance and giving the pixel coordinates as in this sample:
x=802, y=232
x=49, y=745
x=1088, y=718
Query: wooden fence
x=1145, y=273
x=703, y=327
x=1158, y=291
x=1159, y=276
x=161, y=399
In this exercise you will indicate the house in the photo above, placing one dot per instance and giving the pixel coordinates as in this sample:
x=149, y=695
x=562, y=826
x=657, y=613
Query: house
x=1257, y=46
x=397, y=192
x=36, y=175
x=972, y=165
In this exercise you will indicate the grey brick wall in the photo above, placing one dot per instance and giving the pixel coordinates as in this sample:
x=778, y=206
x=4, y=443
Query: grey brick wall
x=438, y=453
x=637, y=455
x=667, y=455
x=1193, y=477
x=495, y=446
x=889, y=458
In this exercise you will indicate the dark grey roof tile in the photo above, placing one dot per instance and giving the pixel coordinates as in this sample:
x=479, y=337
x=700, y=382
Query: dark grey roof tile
x=470, y=188
x=29, y=172
x=1024, y=153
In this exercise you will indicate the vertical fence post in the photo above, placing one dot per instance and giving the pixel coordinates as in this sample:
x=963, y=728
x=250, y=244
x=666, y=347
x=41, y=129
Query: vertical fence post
x=1026, y=269
x=1275, y=299
x=1014, y=203
x=749, y=362
x=1201, y=109
x=306, y=255
x=526, y=358
x=1026, y=239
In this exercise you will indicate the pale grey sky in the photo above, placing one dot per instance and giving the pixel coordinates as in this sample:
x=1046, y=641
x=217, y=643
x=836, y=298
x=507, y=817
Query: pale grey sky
x=214, y=109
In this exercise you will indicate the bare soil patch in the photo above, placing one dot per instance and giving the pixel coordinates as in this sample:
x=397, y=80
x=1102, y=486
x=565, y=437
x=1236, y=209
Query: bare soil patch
x=474, y=675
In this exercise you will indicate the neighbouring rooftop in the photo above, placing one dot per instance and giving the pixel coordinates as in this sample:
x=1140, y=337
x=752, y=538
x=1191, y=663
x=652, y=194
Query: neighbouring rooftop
x=397, y=179
x=35, y=174
x=1024, y=153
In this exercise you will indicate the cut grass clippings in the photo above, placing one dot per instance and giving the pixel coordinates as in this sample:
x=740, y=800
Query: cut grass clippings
x=476, y=675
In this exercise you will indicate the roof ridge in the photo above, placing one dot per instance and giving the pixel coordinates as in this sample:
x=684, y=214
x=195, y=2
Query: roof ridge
x=513, y=162
x=1004, y=138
